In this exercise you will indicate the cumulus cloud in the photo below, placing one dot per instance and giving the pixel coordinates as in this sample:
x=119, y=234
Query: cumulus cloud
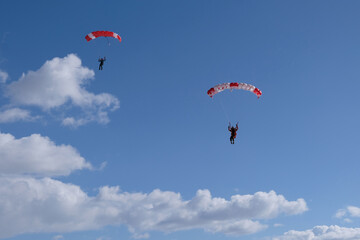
x=3, y=76
x=38, y=155
x=15, y=114
x=322, y=233
x=60, y=82
x=46, y=205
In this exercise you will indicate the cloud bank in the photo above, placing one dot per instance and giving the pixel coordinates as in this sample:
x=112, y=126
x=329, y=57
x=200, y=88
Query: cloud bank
x=60, y=82
x=32, y=202
x=45, y=205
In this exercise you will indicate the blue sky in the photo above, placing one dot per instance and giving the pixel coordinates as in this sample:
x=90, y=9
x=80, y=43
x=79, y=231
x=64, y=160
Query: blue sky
x=139, y=151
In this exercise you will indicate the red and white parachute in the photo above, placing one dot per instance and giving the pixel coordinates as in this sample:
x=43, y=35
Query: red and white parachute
x=97, y=34
x=221, y=87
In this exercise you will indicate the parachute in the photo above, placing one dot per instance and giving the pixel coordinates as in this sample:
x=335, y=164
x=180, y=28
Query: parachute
x=97, y=34
x=221, y=87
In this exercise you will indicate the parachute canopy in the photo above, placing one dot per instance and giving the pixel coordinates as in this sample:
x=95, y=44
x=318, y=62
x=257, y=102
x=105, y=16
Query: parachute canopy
x=221, y=87
x=97, y=34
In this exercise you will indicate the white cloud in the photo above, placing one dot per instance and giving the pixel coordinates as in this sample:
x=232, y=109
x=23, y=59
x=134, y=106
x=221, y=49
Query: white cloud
x=322, y=233
x=56, y=82
x=350, y=211
x=15, y=114
x=60, y=82
x=29, y=205
x=165, y=211
x=38, y=155
x=353, y=211
x=3, y=76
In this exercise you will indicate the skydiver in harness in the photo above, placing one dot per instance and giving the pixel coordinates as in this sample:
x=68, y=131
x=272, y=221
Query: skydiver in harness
x=101, y=60
x=233, y=130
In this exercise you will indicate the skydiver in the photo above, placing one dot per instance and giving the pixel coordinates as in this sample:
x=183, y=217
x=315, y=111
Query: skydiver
x=233, y=130
x=101, y=60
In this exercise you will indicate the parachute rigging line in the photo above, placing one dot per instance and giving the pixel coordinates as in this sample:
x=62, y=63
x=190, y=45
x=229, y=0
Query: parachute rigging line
x=224, y=111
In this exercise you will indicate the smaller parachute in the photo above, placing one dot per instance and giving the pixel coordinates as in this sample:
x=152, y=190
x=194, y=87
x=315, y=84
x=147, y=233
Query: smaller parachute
x=97, y=34
x=221, y=87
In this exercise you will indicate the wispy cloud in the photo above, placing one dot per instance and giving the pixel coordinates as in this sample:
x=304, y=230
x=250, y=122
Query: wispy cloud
x=278, y=225
x=15, y=114
x=340, y=213
x=58, y=237
x=140, y=236
x=3, y=76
